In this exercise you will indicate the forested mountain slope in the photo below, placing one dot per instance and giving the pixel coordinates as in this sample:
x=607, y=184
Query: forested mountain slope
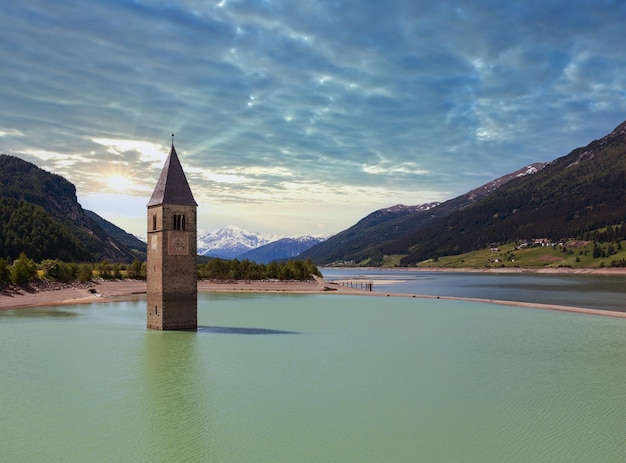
x=29, y=186
x=371, y=238
x=27, y=228
x=281, y=250
x=582, y=191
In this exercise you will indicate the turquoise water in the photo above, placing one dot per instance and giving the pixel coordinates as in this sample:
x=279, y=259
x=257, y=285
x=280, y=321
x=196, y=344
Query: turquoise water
x=310, y=378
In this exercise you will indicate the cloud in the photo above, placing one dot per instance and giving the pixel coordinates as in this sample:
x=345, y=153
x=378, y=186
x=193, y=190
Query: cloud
x=147, y=151
x=275, y=101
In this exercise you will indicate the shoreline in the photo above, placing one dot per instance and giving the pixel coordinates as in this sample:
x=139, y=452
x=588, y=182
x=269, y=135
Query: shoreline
x=120, y=290
x=542, y=270
x=124, y=290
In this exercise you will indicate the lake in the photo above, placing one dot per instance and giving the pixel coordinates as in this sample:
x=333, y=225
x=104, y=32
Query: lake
x=604, y=292
x=310, y=378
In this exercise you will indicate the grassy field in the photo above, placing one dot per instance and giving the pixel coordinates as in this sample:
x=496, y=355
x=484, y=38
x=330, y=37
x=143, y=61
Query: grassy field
x=573, y=254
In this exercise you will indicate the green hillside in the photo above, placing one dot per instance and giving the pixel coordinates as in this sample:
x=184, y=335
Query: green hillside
x=568, y=254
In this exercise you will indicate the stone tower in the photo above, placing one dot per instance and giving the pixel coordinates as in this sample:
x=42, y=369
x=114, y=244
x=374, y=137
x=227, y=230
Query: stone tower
x=172, y=265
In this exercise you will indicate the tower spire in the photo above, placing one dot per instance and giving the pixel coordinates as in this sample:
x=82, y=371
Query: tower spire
x=172, y=186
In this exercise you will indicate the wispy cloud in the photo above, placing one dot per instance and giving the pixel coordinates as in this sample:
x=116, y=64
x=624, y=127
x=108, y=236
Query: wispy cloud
x=340, y=106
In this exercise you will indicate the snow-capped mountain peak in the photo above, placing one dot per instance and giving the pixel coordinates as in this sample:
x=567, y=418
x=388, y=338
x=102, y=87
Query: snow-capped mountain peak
x=488, y=188
x=231, y=241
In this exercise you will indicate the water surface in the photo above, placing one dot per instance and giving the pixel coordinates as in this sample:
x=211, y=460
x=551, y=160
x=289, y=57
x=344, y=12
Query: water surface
x=604, y=292
x=310, y=378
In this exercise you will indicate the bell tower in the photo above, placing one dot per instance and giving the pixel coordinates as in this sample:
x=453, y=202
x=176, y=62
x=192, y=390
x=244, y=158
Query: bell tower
x=172, y=302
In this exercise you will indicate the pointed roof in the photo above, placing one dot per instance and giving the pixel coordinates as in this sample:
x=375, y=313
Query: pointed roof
x=172, y=186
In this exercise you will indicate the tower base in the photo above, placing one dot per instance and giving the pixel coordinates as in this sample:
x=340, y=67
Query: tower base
x=177, y=312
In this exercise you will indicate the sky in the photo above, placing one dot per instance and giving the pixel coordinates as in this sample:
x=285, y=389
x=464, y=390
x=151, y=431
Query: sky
x=297, y=117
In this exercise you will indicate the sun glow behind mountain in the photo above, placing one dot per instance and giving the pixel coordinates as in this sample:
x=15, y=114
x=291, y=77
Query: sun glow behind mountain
x=118, y=182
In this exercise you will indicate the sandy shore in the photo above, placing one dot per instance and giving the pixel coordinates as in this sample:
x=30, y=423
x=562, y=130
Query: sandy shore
x=109, y=291
x=116, y=290
x=101, y=291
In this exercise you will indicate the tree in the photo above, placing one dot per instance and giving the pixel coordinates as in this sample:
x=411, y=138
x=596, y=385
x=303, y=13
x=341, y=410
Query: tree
x=23, y=270
x=597, y=251
x=104, y=268
x=311, y=268
x=135, y=269
x=84, y=273
x=116, y=272
x=272, y=271
x=5, y=274
x=57, y=270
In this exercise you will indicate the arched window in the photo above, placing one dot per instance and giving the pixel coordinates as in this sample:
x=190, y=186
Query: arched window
x=179, y=222
x=154, y=221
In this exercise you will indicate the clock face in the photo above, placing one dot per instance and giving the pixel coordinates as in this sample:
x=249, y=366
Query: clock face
x=178, y=243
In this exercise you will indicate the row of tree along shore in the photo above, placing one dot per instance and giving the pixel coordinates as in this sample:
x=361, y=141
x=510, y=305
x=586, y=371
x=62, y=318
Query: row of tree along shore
x=24, y=271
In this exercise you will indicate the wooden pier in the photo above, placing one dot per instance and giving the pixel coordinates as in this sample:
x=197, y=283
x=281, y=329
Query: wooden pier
x=367, y=285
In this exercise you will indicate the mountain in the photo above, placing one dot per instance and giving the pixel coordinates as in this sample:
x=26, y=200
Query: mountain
x=129, y=241
x=282, y=249
x=492, y=186
x=367, y=238
x=231, y=242
x=355, y=243
x=27, y=228
x=24, y=186
x=567, y=198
